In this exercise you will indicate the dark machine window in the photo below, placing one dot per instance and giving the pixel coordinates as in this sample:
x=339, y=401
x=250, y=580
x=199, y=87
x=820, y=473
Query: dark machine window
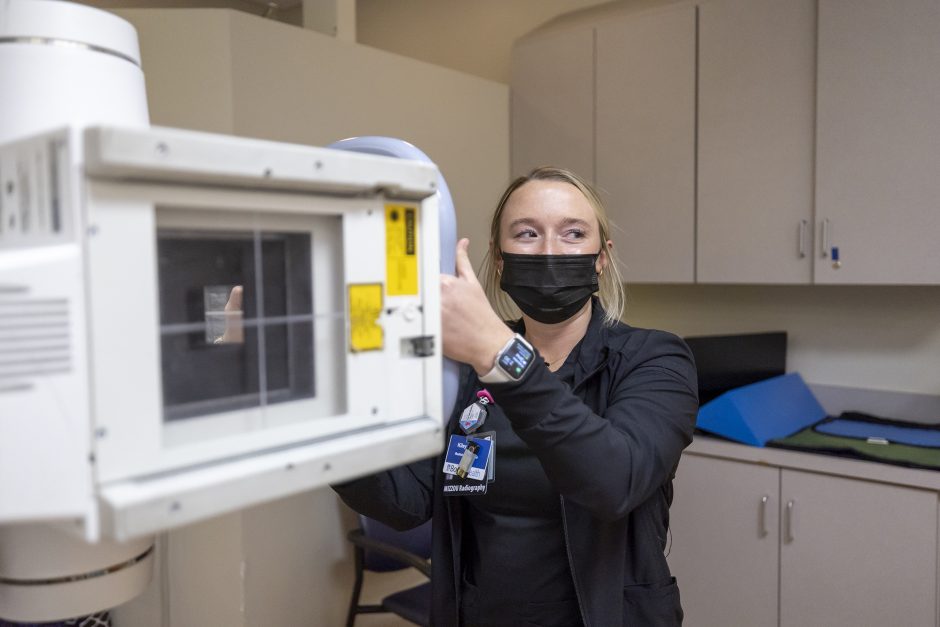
x=236, y=320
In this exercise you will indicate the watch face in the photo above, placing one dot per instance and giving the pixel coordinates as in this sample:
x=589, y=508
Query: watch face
x=515, y=359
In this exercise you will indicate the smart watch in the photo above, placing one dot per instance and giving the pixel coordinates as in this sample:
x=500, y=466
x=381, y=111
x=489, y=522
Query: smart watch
x=512, y=361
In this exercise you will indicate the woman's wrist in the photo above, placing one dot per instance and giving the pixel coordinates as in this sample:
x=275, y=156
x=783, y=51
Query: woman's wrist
x=490, y=346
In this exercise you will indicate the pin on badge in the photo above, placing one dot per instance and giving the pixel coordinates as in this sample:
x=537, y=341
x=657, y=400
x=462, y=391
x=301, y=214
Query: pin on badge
x=473, y=417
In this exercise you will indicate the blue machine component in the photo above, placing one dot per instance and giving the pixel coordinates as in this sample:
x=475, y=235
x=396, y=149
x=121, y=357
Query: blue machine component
x=392, y=147
x=759, y=412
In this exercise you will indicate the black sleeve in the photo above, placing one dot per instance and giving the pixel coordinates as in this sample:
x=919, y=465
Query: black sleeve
x=610, y=463
x=401, y=497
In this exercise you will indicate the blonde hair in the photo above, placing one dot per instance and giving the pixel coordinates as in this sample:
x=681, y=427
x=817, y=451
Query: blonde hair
x=610, y=289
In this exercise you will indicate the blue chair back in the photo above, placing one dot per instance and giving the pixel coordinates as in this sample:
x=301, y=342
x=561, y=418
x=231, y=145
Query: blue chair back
x=416, y=541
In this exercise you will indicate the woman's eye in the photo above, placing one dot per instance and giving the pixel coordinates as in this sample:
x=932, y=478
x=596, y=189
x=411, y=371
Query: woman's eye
x=574, y=234
x=524, y=234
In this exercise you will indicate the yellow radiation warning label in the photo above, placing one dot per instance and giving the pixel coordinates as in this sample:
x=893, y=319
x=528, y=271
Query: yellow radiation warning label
x=365, y=307
x=401, y=250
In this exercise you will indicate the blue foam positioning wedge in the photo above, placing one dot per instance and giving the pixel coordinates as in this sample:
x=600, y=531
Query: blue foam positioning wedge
x=759, y=412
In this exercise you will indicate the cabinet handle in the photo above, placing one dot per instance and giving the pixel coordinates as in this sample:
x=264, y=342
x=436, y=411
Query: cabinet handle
x=802, y=238
x=762, y=517
x=788, y=522
x=824, y=240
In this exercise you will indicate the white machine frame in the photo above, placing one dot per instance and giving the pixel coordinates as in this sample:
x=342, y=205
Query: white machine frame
x=86, y=435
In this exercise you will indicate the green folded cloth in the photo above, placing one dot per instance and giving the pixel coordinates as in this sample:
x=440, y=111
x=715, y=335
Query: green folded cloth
x=900, y=454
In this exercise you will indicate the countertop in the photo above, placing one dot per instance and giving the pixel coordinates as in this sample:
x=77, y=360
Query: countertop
x=815, y=462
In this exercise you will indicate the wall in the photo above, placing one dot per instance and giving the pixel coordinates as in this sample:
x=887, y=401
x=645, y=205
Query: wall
x=341, y=89
x=227, y=71
x=288, y=562
x=287, y=11
x=883, y=338
x=473, y=37
x=186, y=57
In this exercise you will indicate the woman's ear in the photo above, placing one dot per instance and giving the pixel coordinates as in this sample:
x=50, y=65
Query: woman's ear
x=497, y=258
x=603, y=258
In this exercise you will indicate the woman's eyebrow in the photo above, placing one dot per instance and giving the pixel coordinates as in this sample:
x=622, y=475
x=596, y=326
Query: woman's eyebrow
x=565, y=223
x=576, y=222
x=523, y=222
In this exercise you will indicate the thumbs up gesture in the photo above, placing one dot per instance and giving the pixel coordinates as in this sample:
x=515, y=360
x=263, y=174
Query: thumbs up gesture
x=472, y=331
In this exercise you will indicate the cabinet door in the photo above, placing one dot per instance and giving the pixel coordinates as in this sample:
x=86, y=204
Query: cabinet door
x=856, y=553
x=725, y=538
x=552, y=102
x=646, y=140
x=756, y=112
x=878, y=141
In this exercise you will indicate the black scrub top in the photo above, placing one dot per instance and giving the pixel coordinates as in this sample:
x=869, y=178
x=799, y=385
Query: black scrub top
x=516, y=569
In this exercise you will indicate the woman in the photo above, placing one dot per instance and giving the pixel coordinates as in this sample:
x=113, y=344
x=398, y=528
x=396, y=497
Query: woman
x=586, y=433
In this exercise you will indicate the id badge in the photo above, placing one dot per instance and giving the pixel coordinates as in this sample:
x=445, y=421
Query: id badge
x=466, y=464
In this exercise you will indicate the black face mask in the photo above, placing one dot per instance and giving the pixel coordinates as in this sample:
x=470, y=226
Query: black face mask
x=549, y=288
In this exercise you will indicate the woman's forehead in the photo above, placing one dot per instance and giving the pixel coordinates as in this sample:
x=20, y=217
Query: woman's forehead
x=548, y=201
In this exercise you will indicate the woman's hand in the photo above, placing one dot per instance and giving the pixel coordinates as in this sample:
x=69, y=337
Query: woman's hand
x=472, y=331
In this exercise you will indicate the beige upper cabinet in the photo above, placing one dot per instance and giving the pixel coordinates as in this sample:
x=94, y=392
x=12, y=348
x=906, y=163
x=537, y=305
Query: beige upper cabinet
x=747, y=141
x=646, y=140
x=552, y=93
x=878, y=142
x=756, y=115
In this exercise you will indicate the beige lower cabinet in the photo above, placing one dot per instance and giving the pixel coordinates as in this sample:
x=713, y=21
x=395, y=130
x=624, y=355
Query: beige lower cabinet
x=754, y=544
x=725, y=539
